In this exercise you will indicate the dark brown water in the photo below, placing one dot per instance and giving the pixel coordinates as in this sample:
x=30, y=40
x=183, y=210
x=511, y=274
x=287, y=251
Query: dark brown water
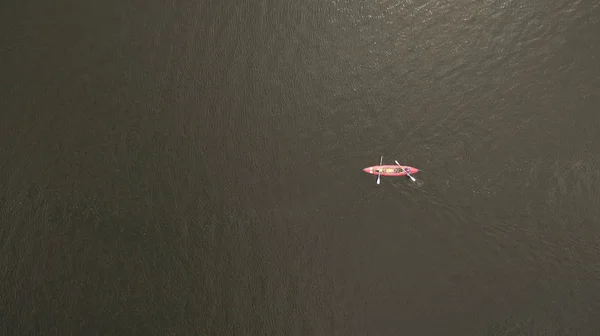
x=194, y=168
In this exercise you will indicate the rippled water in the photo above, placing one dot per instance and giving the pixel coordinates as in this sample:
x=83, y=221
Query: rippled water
x=195, y=168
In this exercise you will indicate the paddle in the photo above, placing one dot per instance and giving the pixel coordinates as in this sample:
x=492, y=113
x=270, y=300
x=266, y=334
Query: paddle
x=406, y=171
x=379, y=175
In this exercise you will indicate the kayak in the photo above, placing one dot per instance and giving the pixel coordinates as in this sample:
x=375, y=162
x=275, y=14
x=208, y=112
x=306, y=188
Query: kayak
x=390, y=170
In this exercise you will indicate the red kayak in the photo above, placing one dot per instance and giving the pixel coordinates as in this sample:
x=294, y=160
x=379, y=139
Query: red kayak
x=391, y=170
